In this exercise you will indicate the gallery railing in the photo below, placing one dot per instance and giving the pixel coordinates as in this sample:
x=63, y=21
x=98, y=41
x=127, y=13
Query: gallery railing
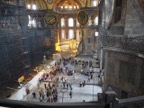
x=125, y=43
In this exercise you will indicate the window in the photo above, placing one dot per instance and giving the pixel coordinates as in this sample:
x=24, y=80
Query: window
x=29, y=6
x=96, y=33
x=34, y=7
x=62, y=22
x=70, y=22
x=62, y=34
x=74, y=7
x=66, y=7
x=34, y=22
x=70, y=7
x=71, y=34
x=61, y=7
x=89, y=21
x=94, y=3
x=29, y=21
x=96, y=21
x=77, y=35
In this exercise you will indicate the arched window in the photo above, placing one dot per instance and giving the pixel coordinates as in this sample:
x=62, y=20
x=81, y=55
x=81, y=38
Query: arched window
x=70, y=22
x=62, y=22
x=71, y=34
x=66, y=7
x=89, y=21
x=96, y=21
x=74, y=7
x=29, y=6
x=77, y=35
x=96, y=34
x=61, y=7
x=29, y=21
x=70, y=7
x=34, y=22
x=34, y=7
x=62, y=34
x=94, y=3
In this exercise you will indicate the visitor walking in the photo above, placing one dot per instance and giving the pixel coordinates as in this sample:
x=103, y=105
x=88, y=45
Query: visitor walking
x=34, y=95
x=70, y=94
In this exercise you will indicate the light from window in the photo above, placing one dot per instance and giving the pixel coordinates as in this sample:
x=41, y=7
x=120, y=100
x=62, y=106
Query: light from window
x=61, y=7
x=62, y=34
x=89, y=21
x=70, y=7
x=66, y=7
x=34, y=7
x=96, y=33
x=29, y=21
x=29, y=6
x=71, y=34
x=96, y=21
x=77, y=35
x=94, y=3
x=70, y=22
x=74, y=7
x=62, y=22
x=34, y=22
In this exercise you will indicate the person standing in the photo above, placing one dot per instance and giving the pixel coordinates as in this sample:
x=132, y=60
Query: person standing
x=34, y=95
x=67, y=85
x=27, y=91
x=70, y=94
x=45, y=86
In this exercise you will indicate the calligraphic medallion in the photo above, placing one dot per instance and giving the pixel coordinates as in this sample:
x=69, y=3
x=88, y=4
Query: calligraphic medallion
x=82, y=17
x=50, y=18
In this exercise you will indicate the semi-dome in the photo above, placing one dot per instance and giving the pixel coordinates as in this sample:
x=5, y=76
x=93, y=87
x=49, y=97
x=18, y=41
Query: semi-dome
x=52, y=4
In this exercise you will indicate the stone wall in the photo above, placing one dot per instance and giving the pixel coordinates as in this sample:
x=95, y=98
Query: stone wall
x=133, y=24
x=123, y=71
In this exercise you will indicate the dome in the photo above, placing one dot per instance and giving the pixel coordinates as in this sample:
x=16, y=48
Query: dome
x=51, y=4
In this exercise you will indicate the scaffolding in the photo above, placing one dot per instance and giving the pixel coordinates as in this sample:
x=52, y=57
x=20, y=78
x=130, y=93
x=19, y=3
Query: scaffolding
x=12, y=56
x=21, y=48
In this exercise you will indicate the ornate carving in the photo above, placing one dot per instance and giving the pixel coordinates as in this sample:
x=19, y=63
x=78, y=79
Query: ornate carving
x=130, y=44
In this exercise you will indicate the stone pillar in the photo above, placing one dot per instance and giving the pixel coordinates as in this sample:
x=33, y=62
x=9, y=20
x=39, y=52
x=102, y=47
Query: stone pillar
x=110, y=97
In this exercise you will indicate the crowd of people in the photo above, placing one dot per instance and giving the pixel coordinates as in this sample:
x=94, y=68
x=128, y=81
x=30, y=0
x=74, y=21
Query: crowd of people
x=49, y=81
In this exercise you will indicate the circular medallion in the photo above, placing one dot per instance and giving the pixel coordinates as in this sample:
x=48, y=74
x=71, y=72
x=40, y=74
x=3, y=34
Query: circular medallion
x=82, y=17
x=50, y=18
x=109, y=11
x=50, y=1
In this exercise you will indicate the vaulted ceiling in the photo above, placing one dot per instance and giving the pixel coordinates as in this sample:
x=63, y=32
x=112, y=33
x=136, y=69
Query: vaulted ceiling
x=50, y=4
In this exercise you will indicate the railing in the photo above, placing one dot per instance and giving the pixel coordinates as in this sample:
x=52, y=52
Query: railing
x=126, y=43
x=136, y=102
x=22, y=104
